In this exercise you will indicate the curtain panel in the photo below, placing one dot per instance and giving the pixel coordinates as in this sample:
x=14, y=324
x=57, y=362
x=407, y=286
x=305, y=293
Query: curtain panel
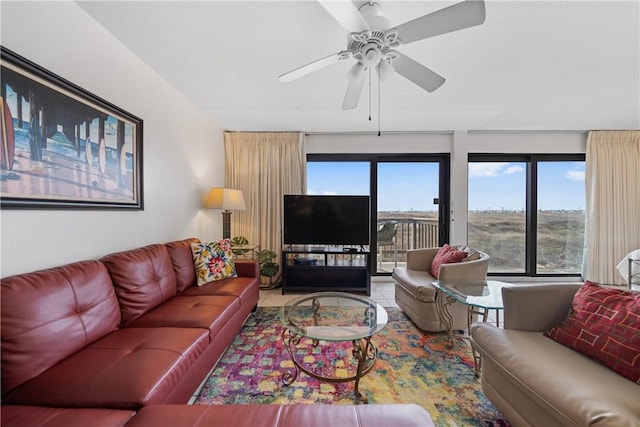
x=265, y=166
x=612, y=179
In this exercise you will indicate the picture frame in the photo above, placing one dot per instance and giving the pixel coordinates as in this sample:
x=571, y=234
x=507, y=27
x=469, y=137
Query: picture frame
x=62, y=147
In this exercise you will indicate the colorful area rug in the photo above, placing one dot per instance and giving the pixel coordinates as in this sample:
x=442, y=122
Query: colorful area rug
x=412, y=367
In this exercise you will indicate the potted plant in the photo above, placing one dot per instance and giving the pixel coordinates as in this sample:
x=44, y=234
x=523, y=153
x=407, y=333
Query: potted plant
x=266, y=259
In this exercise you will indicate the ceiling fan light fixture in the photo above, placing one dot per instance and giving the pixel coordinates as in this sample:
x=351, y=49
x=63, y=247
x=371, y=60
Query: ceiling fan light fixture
x=371, y=55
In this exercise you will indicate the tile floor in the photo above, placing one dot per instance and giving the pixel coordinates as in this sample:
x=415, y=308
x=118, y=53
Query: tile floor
x=382, y=291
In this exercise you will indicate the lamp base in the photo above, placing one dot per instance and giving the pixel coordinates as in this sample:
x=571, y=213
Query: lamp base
x=226, y=224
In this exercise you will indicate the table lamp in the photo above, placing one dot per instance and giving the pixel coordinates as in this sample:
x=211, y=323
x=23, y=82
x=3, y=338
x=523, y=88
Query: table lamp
x=226, y=199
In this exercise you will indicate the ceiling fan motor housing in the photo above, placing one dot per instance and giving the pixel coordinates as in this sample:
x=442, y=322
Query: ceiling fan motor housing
x=371, y=46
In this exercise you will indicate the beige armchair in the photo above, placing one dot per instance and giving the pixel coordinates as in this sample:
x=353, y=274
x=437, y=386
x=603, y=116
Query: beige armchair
x=416, y=295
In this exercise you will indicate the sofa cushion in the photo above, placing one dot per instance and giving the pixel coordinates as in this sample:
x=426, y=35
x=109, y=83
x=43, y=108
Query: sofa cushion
x=209, y=312
x=143, y=278
x=21, y=416
x=213, y=261
x=446, y=255
x=50, y=314
x=182, y=261
x=604, y=324
x=245, y=288
x=396, y=415
x=127, y=369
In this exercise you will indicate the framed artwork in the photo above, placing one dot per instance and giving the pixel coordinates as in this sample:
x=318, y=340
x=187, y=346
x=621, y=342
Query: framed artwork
x=63, y=147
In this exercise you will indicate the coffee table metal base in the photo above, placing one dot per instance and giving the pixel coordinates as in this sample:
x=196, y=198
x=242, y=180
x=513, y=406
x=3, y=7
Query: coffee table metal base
x=364, y=352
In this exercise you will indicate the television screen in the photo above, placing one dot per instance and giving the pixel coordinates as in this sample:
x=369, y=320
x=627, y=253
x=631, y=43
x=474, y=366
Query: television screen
x=328, y=220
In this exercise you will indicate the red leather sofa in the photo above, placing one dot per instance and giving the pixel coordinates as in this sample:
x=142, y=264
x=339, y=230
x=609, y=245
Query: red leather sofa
x=124, y=332
x=94, y=342
x=382, y=415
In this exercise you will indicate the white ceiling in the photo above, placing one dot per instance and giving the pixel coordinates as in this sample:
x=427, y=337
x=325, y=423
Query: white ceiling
x=541, y=65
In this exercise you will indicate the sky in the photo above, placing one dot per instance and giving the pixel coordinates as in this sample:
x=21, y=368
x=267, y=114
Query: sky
x=492, y=185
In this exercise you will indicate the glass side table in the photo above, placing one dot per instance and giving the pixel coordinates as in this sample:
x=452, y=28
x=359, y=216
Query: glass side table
x=479, y=298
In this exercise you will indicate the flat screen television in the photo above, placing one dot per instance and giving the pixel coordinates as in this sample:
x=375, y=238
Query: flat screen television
x=326, y=220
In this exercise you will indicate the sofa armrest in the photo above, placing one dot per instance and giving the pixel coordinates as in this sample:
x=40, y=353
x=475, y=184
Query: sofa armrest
x=465, y=271
x=536, y=308
x=421, y=259
x=247, y=268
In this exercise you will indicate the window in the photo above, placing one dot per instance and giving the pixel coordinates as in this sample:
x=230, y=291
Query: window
x=560, y=217
x=497, y=213
x=527, y=212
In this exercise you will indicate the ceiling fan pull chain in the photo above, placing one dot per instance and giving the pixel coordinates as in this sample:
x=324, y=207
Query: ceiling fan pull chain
x=379, y=103
x=369, y=94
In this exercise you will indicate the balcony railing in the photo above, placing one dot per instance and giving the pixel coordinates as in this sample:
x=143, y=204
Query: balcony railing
x=412, y=233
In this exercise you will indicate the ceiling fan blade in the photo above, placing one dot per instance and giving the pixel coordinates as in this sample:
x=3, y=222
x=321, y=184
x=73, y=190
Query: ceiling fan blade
x=346, y=14
x=417, y=73
x=313, y=66
x=384, y=70
x=356, y=83
x=463, y=15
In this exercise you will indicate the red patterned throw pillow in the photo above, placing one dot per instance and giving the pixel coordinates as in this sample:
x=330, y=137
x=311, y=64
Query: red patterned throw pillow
x=446, y=255
x=604, y=324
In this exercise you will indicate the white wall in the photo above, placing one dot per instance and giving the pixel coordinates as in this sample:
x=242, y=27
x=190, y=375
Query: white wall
x=459, y=144
x=182, y=147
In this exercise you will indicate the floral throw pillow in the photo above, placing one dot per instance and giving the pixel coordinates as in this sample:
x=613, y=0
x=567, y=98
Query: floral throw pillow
x=604, y=324
x=213, y=261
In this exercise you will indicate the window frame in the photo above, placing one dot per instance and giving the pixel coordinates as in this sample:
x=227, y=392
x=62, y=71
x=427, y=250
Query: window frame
x=531, y=206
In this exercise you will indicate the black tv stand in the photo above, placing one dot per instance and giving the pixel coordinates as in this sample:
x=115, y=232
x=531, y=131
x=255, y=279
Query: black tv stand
x=334, y=269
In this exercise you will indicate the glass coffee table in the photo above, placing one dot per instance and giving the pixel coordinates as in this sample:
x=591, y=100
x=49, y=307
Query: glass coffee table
x=322, y=319
x=479, y=297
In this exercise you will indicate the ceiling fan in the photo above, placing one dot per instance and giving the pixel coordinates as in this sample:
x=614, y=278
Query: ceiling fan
x=372, y=42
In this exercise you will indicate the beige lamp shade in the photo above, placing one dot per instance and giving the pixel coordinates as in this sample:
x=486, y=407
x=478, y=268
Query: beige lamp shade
x=225, y=199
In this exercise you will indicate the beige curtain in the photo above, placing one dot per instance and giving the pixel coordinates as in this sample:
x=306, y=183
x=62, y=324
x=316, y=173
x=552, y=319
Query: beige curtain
x=612, y=179
x=265, y=166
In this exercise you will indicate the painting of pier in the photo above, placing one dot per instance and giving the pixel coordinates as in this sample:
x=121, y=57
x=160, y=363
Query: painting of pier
x=62, y=147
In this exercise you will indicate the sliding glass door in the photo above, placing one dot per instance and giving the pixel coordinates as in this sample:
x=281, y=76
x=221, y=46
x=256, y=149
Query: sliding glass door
x=408, y=210
x=409, y=199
